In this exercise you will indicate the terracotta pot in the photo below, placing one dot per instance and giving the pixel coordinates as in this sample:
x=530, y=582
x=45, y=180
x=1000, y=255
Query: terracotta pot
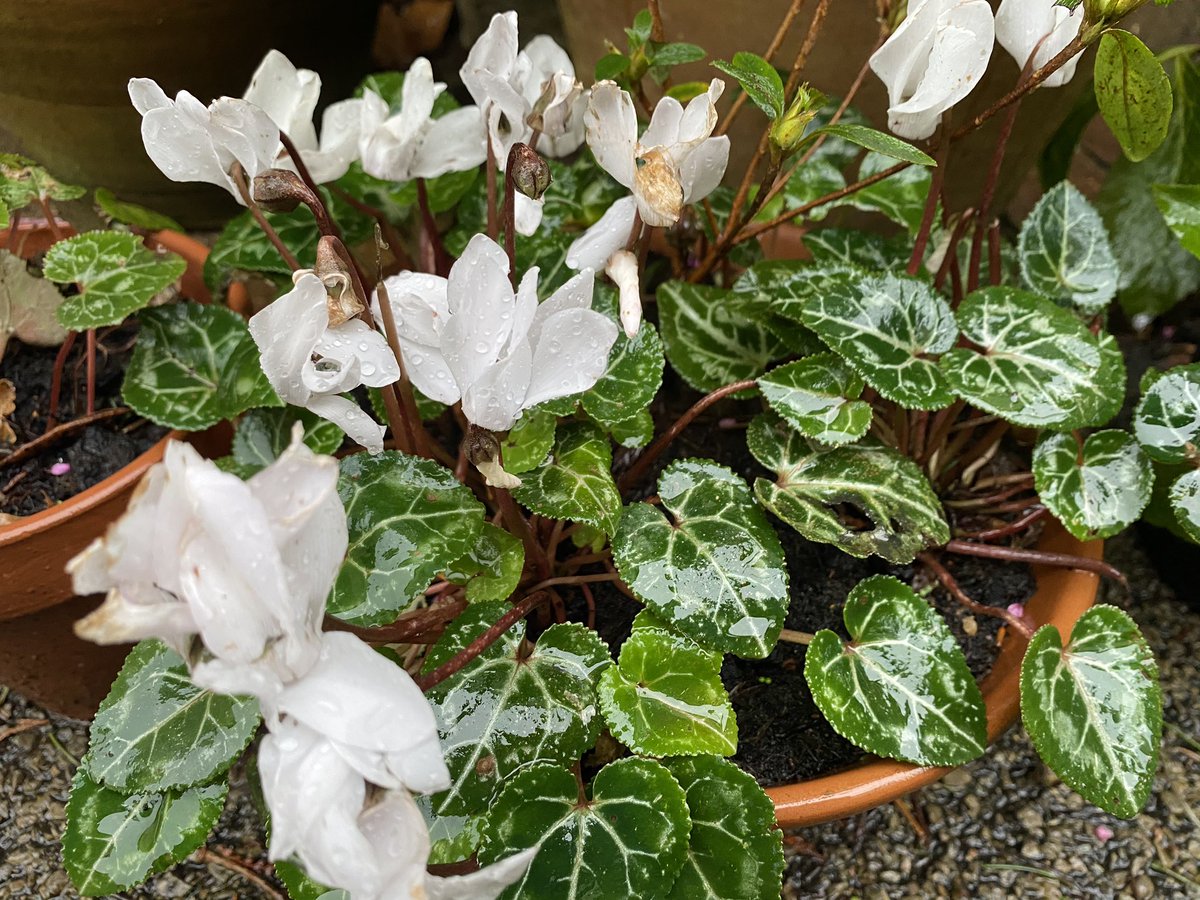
x=1062, y=597
x=63, y=97
x=39, y=654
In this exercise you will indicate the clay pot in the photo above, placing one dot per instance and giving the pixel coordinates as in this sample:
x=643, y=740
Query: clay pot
x=1062, y=597
x=40, y=656
x=63, y=97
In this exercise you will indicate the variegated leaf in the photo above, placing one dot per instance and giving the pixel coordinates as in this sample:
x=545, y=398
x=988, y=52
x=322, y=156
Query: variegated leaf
x=899, y=514
x=1184, y=497
x=818, y=395
x=901, y=686
x=1064, y=251
x=576, y=483
x=1095, y=490
x=1167, y=419
x=774, y=293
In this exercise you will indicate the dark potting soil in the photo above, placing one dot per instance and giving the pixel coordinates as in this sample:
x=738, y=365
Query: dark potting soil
x=93, y=452
x=782, y=736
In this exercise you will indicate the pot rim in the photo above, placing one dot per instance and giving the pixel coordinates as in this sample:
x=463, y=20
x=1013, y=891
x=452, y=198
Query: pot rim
x=127, y=476
x=1061, y=597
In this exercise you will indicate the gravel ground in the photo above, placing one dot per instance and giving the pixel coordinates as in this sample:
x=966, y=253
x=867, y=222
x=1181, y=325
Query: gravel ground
x=1000, y=827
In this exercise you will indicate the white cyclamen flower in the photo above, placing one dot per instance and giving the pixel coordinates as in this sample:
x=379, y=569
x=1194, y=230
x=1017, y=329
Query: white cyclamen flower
x=310, y=362
x=289, y=96
x=471, y=337
x=413, y=144
x=189, y=141
x=932, y=61
x=1041, y=29
x=246, y=565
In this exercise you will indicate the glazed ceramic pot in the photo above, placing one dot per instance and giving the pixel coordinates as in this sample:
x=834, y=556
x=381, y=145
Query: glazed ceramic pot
x=1062, y=596
x=40, y=656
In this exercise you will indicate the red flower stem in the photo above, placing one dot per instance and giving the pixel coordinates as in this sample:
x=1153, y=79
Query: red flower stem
x=60, y=363
x=418, y=627
x=91, y=371
x=456, y=663
x=1015, y=527
x=1038, y=557
x=493, y=220
x=434, y=258
x=239, y=178
x=937, y=179
x=316, y=203
x=980, y=609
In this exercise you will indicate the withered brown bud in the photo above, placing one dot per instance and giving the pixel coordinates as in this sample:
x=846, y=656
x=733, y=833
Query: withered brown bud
x=278, y=190
x=529, y=172
x=341, y=295
x=482, y=445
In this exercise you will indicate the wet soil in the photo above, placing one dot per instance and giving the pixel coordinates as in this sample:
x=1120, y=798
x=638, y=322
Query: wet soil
x=92, y=453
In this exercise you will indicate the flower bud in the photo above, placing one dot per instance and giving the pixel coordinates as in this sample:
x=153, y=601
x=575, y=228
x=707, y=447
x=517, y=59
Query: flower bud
x=787, y=132
x=529, y=172
x=280, y=191
x=1098, y=12
x=483, y=450
x=342, y=297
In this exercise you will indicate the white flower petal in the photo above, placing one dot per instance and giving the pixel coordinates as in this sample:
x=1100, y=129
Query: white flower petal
x=341, y=127
x=702, y=169
x=611, y=126
x=546, y=59
x=485, y=884
x=134, y=613
x=528, y=214
x=453, y=143
x=286, y=332
x=495, y=399
x=592, y=249
x=623, y=270
x=347, y=415
x=1021, y=26
x=700, y=117
x=571, y=354
x=481, y=302
x=183, y=150
x=288, y=95
x=575, y=293
x=525, y=310
x=376, y=363
x=243, y=132
x=147, y=95
x=399, y=840
x=663, y=130
x=495, y=52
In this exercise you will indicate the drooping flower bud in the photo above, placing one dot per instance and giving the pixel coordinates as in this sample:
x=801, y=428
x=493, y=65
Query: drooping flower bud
x=787, y=132
x=529, y=172
x=483, y=450
x=280, y=191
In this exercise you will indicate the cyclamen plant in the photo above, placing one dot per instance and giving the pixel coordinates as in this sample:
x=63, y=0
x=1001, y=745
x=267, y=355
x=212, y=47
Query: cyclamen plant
x=395, y=622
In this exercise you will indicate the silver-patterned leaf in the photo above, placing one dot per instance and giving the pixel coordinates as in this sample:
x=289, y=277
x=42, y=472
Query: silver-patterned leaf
x=1036, y=363
x=28, y=305
x=896, y=512
x=889, y=328
x=1064, y=251
x=901, y=686
x=900, y=197
x=1184, y=497
x=576, y=483
x=711, y=566
x=1167, y=419
x=1095, y=490
x=818, y=395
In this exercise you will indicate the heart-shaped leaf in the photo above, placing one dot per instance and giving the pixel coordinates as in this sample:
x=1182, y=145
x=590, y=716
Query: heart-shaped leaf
x=492, y=567
x=901, y=686
x=152, y=713
x=1180, y=207
x=635, y=432
x=1095, y=490
x=735, y=851
x=528, y=443
x=628, y=839
x=714, y=569
x=665, y=697
x=1167, y=419
x=409, y=519
x=708, y=343
x=263, y=434
x=1094, y=709
x=28, y=305
x=634, y=373
x=115, y=840
x=23, y=181
x=896, y=512
x=900, y=196
x=851, y=247
x=577, y=482
x=188, y=366
x=887, y=327
x=1037, y=364
x=510, y=708
x=774, y=292
x=818, y=395
x=1064, y=251
x=116, y=275
x=1133, y=93
x=1184, y=497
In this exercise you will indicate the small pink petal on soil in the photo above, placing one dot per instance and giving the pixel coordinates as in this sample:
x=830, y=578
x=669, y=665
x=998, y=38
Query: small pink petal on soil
x=1104, y=834
x=60, y=468
x=1016, y=609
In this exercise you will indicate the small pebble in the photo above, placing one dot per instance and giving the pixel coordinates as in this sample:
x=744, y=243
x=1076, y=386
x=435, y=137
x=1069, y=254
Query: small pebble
x=1143, y=887
x=60, y=468
x=1104, y=834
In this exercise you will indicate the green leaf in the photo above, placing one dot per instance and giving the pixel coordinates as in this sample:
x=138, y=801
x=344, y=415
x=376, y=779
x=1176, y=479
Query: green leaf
x=665, y=697
x=735, y=851
x=879, y=141
x=1095, y=490
x=900, y=197
x=114, y=840
x=884, y=488
x=635, y=432
x=1133, y=93
x=708, y=343
x=687, y=91
x=492, y=567
x=634, y=372
x=713, y=569
x=611, y=65
x=862, y=249
x=758, y=79
x=1167, y=419
x=1037, y=364
x=1064, y=251
x=676, y=54
x=301, y=887
x=577, y=482
x=774, y=292
x=1184, y=497
x=23, y=181
x=116, y=275
x=628, y=840
x=409, y=519
x=528, y=443
x=263, y=434
x=132, y=214
x=901, y=687
x=640, y=32
x=886, y=326
x=187, y=360
x=1180, y=207
x=1094, y=709
x=157, y=730
x=818, y=396
x=510, y=708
